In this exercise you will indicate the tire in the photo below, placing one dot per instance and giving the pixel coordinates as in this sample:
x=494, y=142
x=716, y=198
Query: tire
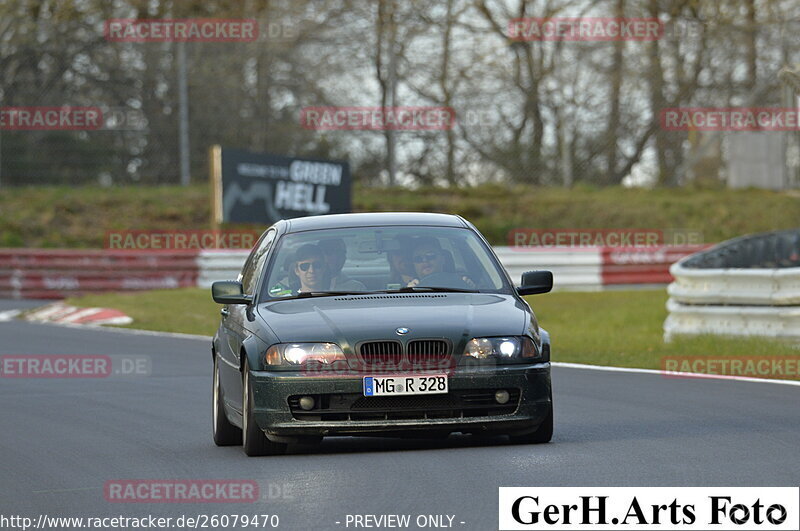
x=543, y=434
x=254, y=441
x=225, y=433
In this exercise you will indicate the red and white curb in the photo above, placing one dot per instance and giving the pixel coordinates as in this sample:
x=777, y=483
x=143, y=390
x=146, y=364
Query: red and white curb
x=65, y=314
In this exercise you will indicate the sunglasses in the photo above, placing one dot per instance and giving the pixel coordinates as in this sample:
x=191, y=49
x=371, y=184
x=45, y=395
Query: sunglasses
x=305, y=266
x=427, y=257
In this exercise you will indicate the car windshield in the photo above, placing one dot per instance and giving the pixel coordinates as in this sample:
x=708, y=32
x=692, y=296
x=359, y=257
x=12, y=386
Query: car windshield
x=379, y=259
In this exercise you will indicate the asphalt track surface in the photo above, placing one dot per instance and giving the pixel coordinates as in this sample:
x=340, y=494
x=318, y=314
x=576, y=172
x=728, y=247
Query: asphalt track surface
x=63, y=439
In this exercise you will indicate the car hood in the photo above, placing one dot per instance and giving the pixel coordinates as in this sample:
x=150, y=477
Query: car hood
x=347, y=320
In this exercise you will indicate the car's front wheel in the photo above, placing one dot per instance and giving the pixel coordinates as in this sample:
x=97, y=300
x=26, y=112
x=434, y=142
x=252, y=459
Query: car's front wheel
x=225, y=433
x=254, y=441
x=543, y=434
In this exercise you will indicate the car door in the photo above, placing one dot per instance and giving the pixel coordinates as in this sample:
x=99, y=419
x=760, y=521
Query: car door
x=234, y=321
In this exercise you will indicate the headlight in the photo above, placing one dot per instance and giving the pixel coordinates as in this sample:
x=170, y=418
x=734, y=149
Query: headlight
x=501, y=348
x=301, y=353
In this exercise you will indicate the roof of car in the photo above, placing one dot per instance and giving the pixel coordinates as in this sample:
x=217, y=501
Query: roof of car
x=371, y=219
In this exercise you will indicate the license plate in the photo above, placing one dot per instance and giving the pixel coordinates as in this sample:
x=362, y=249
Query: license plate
x=405, y=385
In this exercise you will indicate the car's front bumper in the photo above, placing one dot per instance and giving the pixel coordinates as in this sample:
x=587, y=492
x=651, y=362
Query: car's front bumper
x=273, y=413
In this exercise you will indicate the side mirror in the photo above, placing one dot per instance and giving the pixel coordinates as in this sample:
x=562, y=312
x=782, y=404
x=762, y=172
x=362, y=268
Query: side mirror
x=534, y=282
x=229, y=292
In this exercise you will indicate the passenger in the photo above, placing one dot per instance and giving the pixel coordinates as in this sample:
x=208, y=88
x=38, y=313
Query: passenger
x=335, y=252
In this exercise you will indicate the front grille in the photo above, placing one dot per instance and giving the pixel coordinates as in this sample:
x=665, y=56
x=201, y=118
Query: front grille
x=426, y=351
x=381, y=352
x=454, y=405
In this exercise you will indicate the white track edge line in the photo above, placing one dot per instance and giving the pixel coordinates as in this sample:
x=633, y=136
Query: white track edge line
x=673, y=375
x=133, y=331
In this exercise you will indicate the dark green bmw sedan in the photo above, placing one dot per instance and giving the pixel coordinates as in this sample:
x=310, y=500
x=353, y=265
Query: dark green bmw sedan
x=397, y=324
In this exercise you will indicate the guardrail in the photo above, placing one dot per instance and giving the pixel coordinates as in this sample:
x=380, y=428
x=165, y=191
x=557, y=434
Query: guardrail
x=742, y=287
x=219, y=264
x=577, y=268
x=642, y=265
x=44, y=273
x=572, y=267
x=55, y=274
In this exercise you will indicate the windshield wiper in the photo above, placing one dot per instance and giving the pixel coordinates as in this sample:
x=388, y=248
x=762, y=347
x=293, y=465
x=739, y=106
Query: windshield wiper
x=413, y=289
x=433, y=289
x=307, y=294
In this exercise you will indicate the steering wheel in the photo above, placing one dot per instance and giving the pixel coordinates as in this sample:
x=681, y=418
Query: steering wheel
x=443, y=280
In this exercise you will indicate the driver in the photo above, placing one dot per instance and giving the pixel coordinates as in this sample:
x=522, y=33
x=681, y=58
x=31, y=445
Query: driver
x=429, y=259
x=310, y=268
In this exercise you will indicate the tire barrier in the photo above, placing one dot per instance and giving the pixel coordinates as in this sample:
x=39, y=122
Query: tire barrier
x=748, y=286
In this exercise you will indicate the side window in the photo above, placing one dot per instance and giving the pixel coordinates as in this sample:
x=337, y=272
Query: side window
x=255, y=263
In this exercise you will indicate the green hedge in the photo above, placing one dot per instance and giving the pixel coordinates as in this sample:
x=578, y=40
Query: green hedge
x=81, y=216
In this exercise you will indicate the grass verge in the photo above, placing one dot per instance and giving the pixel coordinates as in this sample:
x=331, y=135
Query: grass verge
x=617, y=328
x=53, y=216
x=187, y=310
x=625, y=329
